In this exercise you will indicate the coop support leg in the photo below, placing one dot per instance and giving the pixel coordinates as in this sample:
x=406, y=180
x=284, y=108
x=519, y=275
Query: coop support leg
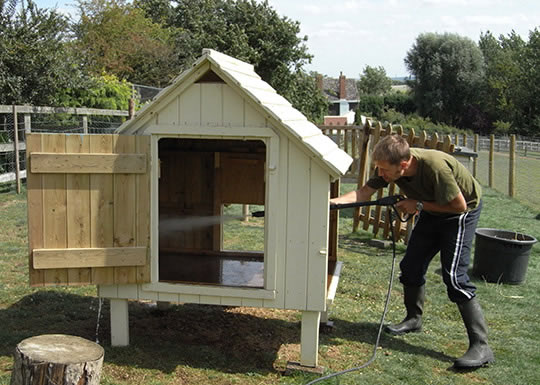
x=119, y=322
x=325, y=320
x=309, y=339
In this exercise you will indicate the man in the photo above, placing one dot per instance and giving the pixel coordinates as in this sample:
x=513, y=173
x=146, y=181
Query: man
x=448, y=200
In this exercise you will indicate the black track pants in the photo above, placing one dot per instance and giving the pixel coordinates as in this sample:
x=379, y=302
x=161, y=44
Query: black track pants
x=452, y=236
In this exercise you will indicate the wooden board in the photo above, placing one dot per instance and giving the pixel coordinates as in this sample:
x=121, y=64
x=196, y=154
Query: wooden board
x=298, y=218
x=78, y=221
x=101, y=201
x=54, y=209
x=75, y=259
x=242, y=178
x=124, y=209
x=88, y=163
x=35, y=211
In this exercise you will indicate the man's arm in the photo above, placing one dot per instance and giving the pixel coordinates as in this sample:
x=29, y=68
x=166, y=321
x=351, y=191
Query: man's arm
x=361, y=195
x=455, y=206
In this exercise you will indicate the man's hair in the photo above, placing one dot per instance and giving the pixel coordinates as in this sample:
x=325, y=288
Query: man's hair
x=393, y=149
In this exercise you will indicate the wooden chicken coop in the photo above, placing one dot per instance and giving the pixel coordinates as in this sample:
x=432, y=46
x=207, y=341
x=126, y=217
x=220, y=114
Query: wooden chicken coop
x=128, y=212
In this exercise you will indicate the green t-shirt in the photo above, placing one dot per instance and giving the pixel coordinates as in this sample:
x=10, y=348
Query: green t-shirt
x=439, y=178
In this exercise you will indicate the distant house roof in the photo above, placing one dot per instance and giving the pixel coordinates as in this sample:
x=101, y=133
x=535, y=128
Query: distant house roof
x=285, y=116
x=331, y=89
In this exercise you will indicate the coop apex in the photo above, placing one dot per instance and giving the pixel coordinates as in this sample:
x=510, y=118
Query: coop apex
x=214, y=66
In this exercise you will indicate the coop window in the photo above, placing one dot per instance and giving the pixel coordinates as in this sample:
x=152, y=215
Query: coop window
x=204, y=185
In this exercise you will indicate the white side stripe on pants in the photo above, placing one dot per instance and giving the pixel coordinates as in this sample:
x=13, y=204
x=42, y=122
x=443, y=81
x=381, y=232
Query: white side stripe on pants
x=457, y=253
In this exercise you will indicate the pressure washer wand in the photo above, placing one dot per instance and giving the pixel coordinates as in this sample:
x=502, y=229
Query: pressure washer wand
x=390, y=200
x=385, y=201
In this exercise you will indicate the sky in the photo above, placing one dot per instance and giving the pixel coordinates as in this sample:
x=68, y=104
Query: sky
x=348, y=35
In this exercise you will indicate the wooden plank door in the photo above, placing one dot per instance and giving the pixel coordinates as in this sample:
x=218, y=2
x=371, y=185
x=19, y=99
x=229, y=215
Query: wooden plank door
x=88, y=209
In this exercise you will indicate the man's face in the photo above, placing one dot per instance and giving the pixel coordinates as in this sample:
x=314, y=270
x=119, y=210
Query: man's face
x=390, y=172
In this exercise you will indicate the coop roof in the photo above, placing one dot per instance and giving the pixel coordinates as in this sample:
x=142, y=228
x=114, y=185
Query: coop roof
x=275, y=107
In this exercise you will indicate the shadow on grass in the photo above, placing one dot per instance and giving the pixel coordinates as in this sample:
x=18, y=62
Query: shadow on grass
x=201, y=336
x=366, y=332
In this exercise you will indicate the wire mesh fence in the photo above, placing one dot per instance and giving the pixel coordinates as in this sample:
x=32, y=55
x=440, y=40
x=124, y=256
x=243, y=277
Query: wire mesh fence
x=45, y=120
x=527, y=175
x=521, y=181
x=7, y=151
x=145, y=93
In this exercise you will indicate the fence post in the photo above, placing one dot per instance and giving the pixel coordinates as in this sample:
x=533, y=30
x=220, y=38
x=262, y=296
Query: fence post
x=512, y=173
x=85, y=123
x=490, y=169
x=475, y=160
x=16, y=149
x=27, y=123
x=131, y=108
x=363, y=159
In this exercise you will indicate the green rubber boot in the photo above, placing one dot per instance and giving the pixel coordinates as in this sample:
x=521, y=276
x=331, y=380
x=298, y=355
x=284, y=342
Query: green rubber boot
x=413, y=297
x=479, y=353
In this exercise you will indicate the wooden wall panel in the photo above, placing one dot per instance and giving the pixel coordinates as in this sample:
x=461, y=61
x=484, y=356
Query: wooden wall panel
x=54, y=209
x=318, y=235
x=78, y=209
x=278, y=205
x=102, y=208
x=212, y=104
x=35, y=210
x=242, y=178
x=143, y=209
x=252, y=118
x=190, y=106
x=298, y=185
x=169, y=114
x=233, y=108
x=124, y=209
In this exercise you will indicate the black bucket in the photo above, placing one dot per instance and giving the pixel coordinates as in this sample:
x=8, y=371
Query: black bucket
x=501, y=256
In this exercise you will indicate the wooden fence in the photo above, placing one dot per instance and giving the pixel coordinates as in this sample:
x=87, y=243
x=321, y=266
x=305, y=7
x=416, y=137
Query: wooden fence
x=358, y=141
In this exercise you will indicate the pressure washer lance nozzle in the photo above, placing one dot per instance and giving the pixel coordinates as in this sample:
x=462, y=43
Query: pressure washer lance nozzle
x=384, y=201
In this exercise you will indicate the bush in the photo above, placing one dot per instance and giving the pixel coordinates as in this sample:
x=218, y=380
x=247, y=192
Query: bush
x=401, y=102
x=370, y=105
x=501, y=128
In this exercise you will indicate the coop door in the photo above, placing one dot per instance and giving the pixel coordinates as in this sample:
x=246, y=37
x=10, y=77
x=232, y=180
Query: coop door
x=88, y=209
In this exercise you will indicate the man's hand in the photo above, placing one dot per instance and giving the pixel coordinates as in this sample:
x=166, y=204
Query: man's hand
x=407, y=206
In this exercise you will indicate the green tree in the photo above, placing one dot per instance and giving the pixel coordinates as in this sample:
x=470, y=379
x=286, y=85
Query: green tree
x=511, y=90
x=106, y=92
x=303, y=94
x=448, y=70
x=374, y=81
x=531, y=74
x=117, y=38
x=247, y=30
x=159, y=11
x=34, y=59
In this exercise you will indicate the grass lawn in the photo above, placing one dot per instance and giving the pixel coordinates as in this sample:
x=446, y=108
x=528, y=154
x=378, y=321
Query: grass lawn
x=196, y=344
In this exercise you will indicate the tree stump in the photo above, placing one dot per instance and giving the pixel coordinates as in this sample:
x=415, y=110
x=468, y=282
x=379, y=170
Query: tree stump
x=57, y=359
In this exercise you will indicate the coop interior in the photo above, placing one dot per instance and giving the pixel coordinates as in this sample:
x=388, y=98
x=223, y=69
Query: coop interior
x=204, y=187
